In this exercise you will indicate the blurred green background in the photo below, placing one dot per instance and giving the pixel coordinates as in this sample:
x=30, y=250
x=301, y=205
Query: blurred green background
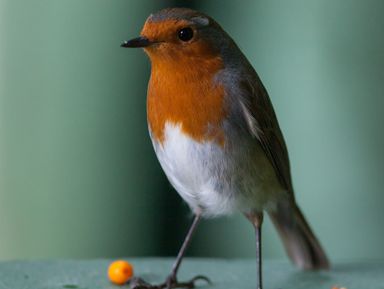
x=78, y=176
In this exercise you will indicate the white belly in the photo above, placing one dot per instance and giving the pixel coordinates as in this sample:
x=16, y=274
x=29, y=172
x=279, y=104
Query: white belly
x=192, y=168
x=207, y=179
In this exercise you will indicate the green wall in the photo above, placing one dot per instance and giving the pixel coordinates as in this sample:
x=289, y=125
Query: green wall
x=78, y=174
x=78, y=177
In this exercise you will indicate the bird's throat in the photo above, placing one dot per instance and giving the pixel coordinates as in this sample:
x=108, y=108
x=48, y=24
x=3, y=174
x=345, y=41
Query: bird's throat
x=187, y=94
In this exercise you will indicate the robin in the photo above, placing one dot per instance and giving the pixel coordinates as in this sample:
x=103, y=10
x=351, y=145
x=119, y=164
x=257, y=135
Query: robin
x=216, y=135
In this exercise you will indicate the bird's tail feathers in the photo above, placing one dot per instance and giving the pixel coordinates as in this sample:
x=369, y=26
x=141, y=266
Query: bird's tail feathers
x=301, y=244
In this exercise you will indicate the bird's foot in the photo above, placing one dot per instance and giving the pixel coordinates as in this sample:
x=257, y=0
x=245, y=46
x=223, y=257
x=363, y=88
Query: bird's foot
x=170, y=283
x=138, y=283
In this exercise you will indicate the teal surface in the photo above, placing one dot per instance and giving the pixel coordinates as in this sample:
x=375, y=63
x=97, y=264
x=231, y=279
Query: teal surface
x=233, y=274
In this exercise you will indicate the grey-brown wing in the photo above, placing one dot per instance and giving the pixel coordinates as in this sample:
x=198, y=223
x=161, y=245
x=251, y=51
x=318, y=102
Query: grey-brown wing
x=263, y=125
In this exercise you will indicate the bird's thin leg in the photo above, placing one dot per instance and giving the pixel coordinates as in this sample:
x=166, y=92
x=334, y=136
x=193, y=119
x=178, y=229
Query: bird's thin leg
x=257, y=220
x=259, y=258
x=175, y=268
x=171, y=281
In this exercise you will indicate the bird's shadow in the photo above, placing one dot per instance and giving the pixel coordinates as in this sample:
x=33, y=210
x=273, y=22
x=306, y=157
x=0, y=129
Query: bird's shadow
x=306, y=280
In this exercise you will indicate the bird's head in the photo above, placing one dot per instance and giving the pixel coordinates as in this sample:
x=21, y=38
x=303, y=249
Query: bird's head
x=179, y=34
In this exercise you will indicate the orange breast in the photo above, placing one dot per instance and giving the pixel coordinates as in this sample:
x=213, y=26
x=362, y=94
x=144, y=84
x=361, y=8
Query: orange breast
x=184, y=93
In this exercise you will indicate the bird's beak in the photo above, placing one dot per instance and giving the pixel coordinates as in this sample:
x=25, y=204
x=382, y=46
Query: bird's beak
x=137, y=42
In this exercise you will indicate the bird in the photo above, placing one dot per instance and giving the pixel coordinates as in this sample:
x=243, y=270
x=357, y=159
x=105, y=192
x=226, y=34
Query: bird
x=216, y=136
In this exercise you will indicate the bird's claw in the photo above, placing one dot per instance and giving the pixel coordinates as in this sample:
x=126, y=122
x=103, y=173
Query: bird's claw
x=170, y=283
x=138, y=283
x=173, y=283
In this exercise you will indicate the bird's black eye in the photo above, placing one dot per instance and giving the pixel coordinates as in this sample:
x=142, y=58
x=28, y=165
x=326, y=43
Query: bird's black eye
x=185, y=34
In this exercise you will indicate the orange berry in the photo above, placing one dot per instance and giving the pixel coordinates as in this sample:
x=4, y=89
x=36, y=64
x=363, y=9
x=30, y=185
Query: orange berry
x=119, y=272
